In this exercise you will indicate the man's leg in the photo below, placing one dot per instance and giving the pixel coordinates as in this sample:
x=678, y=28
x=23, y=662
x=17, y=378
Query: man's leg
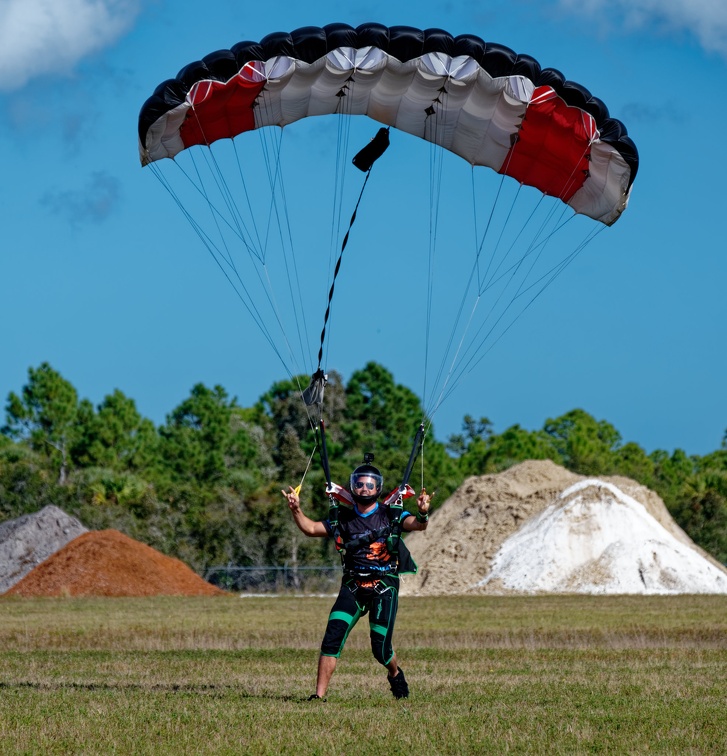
x=393, y=667
x=382, y=616
x=326, y=668
x=344, y=615
x=381, y=623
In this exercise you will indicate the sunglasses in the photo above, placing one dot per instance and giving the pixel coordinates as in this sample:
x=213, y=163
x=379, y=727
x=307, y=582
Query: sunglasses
x=369, y=486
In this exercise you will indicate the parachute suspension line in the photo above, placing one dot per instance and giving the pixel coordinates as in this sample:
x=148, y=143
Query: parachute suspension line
x=289, y=259
x=432, y=409
x=338, y=268
x=560, y=268
x=435, y=127
x=343, y=135
x=268, y=149
x=241, y=174
x=463, y=358
x=214, y=252
x=474, y=273
x=536, y=244
x=514, y=242
x=486, y=231
x=271, y=149
x=436, y=168
x=264, y=282
x=557, y=269
x=431, y=403
x=197, y=187
x=200, y=188
x=307, y=467
x=474, y=346
x=513, y=271
x=476, y=303
x=502, y=232
x=227, y=258
x=225, y=193
x=554, y=272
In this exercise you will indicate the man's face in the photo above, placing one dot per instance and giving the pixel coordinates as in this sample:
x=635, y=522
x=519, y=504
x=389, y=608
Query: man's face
x=365, y=485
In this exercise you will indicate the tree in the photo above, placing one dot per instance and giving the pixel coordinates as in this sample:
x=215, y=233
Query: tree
x=381, y=417
x=492, y=453
x=702, y=511
x=632, y=461
x=197, y=435
x=44, y=416
x=472, y=431
x=116, y=436
x=585, y=445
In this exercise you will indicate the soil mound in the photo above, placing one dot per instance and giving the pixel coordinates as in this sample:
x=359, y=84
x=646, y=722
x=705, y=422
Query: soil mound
x=540, y=528
x=108, y=563
x=30, y=539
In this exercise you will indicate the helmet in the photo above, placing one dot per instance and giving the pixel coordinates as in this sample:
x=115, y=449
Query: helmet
x=366, y=484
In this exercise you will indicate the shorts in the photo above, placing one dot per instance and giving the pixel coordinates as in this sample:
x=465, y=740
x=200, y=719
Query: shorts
x=355, y=599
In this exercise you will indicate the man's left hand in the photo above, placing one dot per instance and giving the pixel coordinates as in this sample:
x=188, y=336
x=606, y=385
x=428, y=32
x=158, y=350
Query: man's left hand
x=423, y=502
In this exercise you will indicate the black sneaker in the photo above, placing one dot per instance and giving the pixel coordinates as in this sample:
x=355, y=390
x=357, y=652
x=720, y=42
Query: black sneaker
x=399, y=688
x=316, y=697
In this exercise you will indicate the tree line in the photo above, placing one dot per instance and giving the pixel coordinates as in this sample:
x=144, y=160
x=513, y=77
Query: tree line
x=205, y=485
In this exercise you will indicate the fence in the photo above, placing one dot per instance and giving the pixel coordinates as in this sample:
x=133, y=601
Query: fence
x=272, y=580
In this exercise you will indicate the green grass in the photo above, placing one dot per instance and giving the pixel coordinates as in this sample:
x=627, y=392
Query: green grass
x=488, y=675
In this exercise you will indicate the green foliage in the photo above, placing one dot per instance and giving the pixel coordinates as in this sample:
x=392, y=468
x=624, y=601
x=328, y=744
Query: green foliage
x=488, y=453
x=115, y=435
x=196, y=435
x=585, y=445
x=205, y=486
x=701, y=511
x=44, y=416
x=28, y=482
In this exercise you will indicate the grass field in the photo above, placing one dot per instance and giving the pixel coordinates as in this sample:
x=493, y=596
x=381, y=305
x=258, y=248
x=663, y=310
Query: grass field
x=487, y=674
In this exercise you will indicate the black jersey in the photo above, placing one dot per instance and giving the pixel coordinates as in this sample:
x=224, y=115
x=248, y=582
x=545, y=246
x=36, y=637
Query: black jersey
x=372, y=558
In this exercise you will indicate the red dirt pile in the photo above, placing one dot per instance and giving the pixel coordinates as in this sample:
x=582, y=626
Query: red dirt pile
x=108, y=563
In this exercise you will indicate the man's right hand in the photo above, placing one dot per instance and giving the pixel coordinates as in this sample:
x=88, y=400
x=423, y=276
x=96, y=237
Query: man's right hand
x=293, y=498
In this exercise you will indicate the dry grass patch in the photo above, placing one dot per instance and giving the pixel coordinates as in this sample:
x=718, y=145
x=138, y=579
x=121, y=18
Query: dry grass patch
x=202, y=676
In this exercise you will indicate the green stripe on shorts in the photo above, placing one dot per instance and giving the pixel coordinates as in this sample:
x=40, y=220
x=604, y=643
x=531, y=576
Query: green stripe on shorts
x=347, y=618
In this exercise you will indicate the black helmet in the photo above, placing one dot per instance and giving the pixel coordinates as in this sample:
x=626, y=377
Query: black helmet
x=366, y=482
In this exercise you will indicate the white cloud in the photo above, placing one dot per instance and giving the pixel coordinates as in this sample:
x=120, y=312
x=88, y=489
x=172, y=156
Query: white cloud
x=95, y=202
x=706, y=20
x=39, y=37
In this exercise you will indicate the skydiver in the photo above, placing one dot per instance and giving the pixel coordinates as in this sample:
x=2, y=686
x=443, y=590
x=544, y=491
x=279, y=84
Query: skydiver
x=373, y=558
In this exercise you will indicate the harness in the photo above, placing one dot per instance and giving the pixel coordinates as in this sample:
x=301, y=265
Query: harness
x=338, y=496
x=391, y=532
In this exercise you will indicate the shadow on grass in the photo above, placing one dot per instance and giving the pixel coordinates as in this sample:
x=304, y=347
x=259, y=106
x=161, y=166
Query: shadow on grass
x=202, y=688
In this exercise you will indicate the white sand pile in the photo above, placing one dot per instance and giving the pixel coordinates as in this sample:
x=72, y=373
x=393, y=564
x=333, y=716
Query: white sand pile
x=29, y=540
x=539, y=528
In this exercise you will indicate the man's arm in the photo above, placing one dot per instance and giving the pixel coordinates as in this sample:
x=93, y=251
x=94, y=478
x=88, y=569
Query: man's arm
x=421, y=521
x=313, y=528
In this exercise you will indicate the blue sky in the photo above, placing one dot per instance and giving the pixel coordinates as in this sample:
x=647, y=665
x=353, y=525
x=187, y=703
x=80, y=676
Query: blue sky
x=102, y=277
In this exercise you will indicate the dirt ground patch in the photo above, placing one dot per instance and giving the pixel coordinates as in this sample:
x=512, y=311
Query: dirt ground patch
x=108, y=563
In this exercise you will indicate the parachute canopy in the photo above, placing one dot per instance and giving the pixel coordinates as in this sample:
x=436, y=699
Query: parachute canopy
x=478, y=99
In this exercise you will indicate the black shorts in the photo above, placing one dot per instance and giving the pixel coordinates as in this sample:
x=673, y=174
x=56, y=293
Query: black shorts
x=380, y=602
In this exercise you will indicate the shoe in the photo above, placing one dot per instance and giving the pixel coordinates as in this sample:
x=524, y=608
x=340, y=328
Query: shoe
x=399, y=688
x=316, y=697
